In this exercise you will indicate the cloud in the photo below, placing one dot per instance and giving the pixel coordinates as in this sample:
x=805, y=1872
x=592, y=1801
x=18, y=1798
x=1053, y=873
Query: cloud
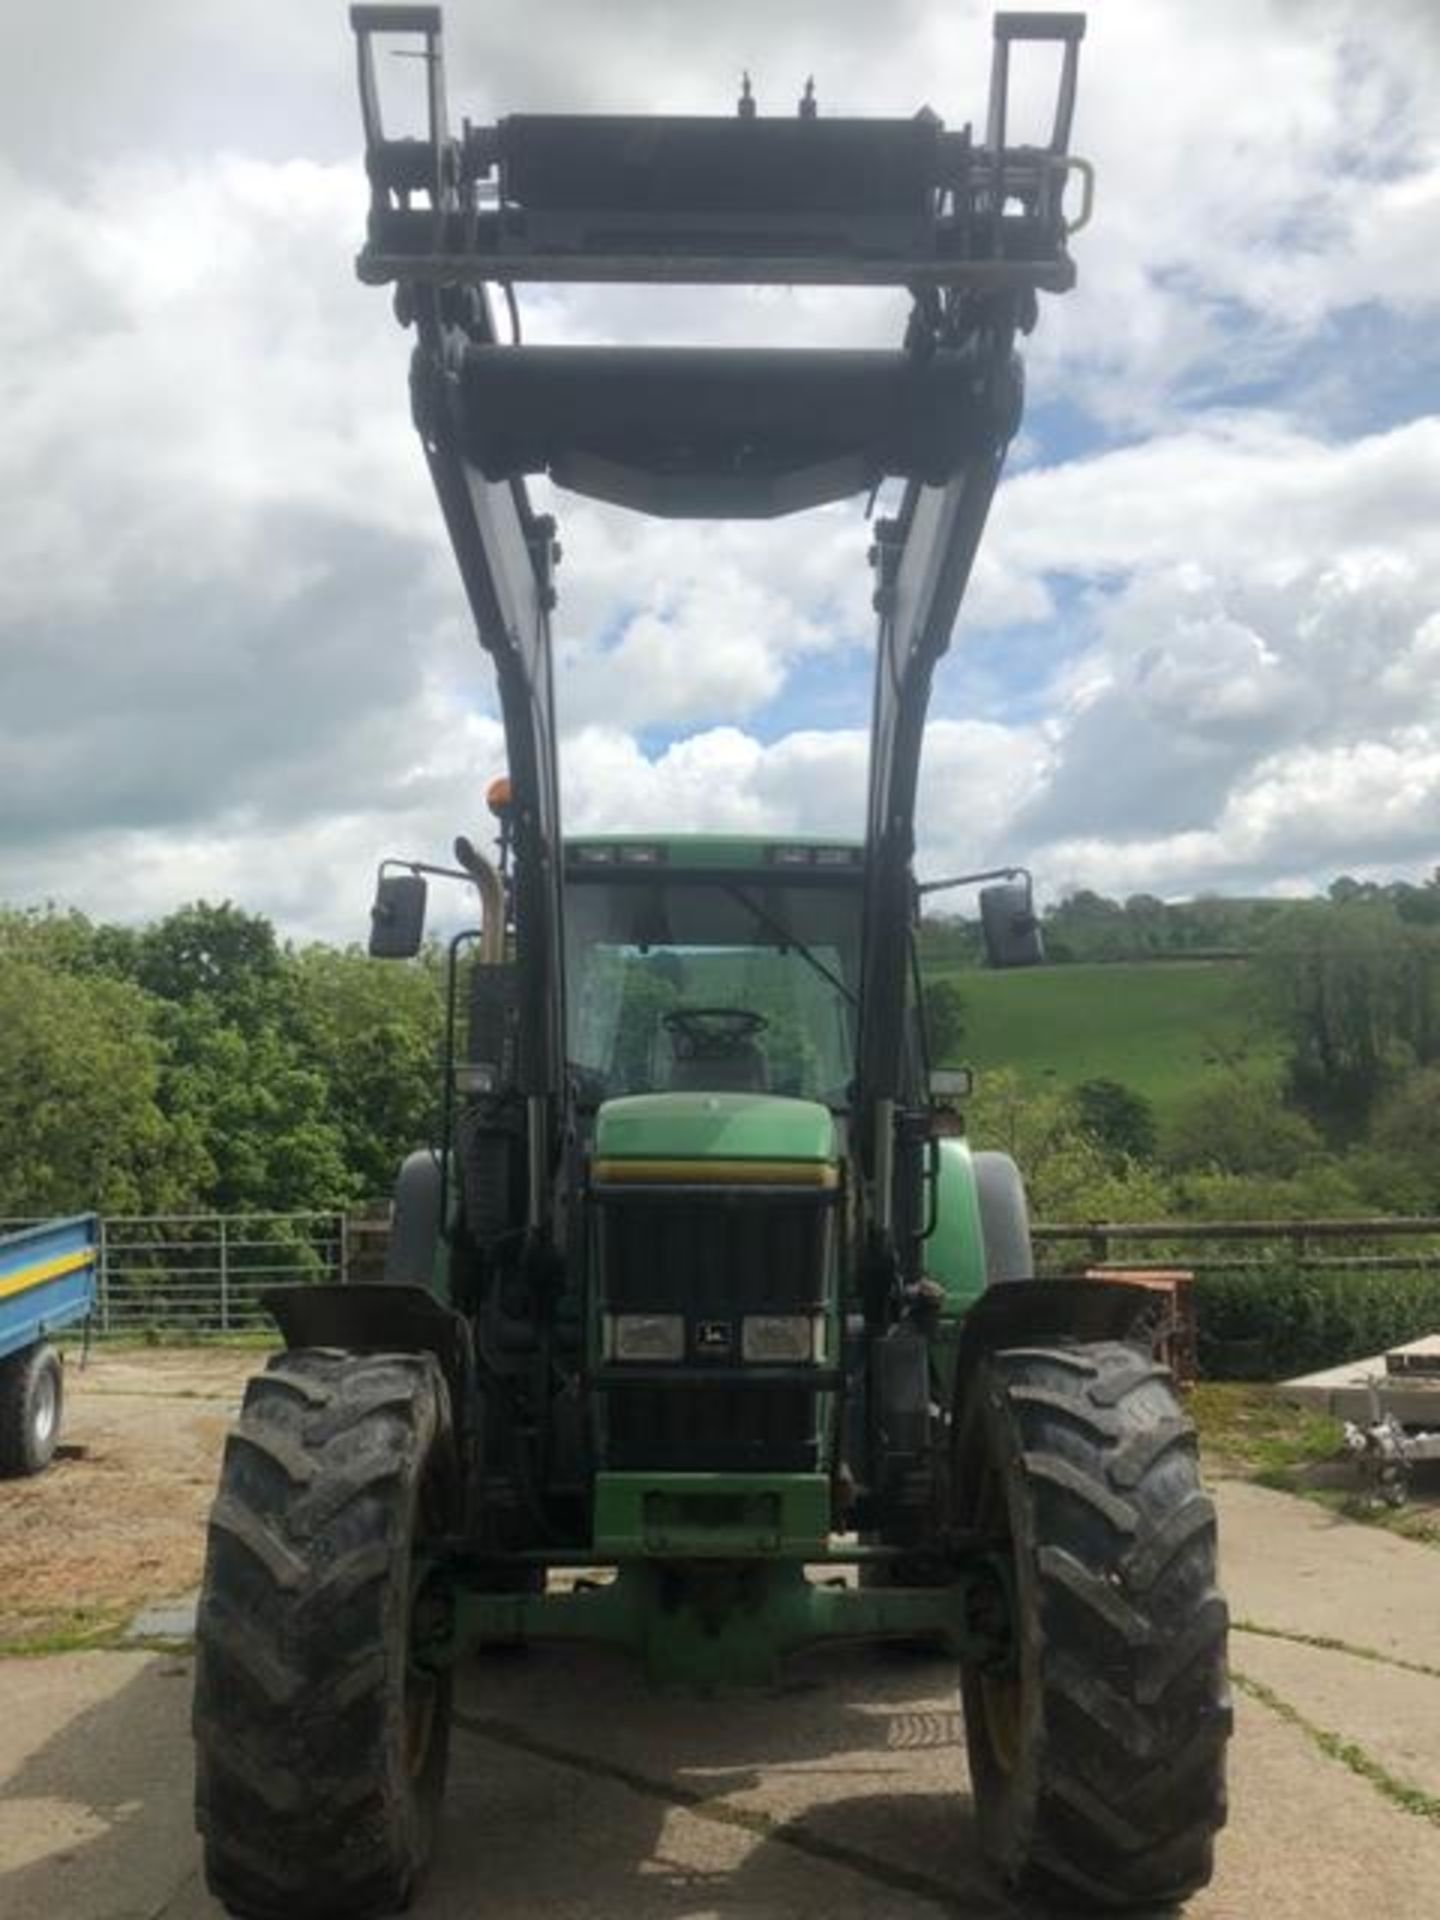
x=1202, y=635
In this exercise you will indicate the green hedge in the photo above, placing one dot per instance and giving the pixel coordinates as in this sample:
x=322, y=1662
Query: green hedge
x=1270, y=1322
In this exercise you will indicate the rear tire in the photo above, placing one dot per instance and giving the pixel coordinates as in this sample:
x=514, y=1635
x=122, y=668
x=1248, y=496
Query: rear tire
x=32, y=1400
x=1098, y=1757
x=321, y=1741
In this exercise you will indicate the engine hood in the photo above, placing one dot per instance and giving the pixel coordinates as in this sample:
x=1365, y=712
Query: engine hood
x=714, y=1126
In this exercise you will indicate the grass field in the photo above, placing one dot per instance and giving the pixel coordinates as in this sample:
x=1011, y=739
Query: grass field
x=1161, y=1027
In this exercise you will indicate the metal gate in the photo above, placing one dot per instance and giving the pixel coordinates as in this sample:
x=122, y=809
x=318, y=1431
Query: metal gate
x=198, y=1276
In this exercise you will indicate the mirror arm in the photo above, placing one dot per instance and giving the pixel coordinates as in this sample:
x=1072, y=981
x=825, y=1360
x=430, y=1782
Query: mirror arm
x=973, y=879
x=421, y=866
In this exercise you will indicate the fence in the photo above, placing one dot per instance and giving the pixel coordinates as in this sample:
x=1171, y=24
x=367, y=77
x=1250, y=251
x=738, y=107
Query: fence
x=192, y=1276
x=1251, y=1245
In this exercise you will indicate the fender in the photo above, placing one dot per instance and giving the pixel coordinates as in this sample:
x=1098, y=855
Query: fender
x=379, y=1318
x=954, y=1255
x=1042, y=1312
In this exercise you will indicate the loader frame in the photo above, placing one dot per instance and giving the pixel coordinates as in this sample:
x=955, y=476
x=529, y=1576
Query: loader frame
x=975, y=229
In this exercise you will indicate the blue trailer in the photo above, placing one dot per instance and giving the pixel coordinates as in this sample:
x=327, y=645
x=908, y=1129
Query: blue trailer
x=47, y=1281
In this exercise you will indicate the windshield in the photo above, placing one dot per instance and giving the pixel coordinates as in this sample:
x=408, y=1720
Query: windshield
x=738, y=984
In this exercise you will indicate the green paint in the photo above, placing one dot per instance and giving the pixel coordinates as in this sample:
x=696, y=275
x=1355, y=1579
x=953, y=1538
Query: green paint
x=714, y=1126
x=955, y=1253
x=711, y=1515
x=716, y=850
x=720, y=1626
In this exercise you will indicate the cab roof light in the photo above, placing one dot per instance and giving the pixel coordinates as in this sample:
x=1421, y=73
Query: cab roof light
x=641, y=856
x=791, y=856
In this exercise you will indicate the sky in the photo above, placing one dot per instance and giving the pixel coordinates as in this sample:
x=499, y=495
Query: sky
x=1201, y=651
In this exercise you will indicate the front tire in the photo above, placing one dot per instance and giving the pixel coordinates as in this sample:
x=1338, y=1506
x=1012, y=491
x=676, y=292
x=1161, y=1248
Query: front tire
x=32, y=1399
x=1098, y=1754
x=321, y=1739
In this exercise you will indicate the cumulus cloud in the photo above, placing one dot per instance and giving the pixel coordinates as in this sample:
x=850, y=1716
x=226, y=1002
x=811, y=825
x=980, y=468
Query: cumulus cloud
x=1248, y=592
x=1203, y=630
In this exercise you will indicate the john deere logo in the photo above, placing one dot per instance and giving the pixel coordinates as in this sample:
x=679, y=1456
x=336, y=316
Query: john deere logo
x=713, y=1337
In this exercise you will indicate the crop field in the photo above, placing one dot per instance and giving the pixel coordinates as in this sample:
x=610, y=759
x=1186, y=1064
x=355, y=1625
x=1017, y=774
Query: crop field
x=1159, y=1027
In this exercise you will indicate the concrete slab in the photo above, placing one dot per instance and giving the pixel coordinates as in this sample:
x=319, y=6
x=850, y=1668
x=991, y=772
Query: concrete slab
x=574, y=1795
x=1307, y=1840
x=1415, y=1356
x=1291, y=1563
x=166, y=1620
x=1344, y=1392
x=95, y=1787
x=1394, y=1714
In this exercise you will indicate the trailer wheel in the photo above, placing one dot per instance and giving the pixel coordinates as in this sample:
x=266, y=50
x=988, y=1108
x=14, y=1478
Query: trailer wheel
x=32, y=1399
x=1097, y=1751
x=321, y=1730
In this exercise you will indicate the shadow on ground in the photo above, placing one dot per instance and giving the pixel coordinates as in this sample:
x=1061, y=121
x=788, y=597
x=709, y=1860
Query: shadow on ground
x=572, y=1792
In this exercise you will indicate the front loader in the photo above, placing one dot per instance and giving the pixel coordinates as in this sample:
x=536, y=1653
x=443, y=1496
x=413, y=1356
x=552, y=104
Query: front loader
x=703, y=1334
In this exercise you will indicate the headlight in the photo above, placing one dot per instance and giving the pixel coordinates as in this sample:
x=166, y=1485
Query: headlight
x=796, y=1338
x=646, y=1336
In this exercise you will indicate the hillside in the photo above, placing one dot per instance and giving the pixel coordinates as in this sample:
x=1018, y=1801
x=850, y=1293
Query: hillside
x=1159, y=1027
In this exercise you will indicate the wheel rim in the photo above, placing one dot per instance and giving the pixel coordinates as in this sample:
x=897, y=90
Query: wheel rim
x=427, y=1615
x=420, y=1691
x=45, y=1411
x=1002, y=1691
x=1001, y=1698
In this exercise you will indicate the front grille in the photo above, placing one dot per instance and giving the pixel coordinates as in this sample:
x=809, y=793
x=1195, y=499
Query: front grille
x=712, y=1260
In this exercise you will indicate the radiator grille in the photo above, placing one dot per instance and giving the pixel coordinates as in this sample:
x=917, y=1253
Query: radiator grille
x=712, y=1259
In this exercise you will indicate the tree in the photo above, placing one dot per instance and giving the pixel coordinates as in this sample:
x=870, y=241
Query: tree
x=1333, y=975
x=1119, y=1119
x=945, y=1019
x=1241, y=1126
x=227, y=956
x=262, y=1111
x=81, y=1122
x=1405, y=1137
x=1068, y=1174
x=373, y=1030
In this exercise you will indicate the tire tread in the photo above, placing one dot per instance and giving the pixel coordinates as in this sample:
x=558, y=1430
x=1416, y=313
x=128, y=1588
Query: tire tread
x=299, y=1663
x=1124, y=1789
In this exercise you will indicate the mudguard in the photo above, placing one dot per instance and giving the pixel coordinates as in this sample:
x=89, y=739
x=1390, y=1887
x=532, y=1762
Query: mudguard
x=380, y=1318
x=1043, y=1312
x=414, y=1243
x=981, y=1236
x=954, y=1254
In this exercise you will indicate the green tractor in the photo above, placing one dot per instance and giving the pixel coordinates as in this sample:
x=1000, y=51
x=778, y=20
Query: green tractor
x=701, y=1290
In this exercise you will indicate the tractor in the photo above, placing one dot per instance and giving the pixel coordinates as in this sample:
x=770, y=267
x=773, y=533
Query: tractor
x=703, y=1334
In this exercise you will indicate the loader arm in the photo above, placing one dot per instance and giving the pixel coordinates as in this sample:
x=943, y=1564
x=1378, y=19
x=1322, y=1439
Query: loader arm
x=973, y=228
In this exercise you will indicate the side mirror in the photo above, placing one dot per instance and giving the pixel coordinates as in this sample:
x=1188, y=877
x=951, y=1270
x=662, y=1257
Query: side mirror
x=1009, y=927
x=397, y=919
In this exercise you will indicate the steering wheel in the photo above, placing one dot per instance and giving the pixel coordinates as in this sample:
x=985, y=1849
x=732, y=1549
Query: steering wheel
x=711, y=1033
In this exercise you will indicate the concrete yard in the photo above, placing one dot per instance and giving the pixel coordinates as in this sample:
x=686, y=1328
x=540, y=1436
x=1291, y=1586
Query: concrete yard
x=574, y=1793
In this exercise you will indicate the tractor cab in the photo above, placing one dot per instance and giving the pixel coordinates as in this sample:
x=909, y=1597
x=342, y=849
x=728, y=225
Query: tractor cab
x=712, y=966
